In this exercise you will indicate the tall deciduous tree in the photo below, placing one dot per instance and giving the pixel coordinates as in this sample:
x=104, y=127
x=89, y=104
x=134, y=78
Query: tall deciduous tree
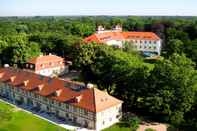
x=171, y=90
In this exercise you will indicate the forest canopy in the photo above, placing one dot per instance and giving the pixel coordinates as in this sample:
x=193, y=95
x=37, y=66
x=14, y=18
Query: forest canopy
x=164, y=89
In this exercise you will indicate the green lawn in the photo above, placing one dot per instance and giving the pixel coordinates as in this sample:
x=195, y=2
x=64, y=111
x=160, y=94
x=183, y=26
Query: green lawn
x=13, y=120
x=121, y=126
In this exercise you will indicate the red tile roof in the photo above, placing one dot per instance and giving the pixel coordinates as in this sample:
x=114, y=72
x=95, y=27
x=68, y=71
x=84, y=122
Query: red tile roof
x=106, y=36
x=57, y=89
x=47, y=62
x=45, y=59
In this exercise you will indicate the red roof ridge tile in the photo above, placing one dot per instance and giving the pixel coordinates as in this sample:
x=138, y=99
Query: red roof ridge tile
x=105, y=36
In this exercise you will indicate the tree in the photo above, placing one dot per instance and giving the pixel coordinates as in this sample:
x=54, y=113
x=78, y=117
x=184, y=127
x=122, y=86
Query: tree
x=82, y=29
x=134, y=123
x=175, y=46
x=172, y=82
x=111, y=69
x=16, y=49
x=23, y=51
x=190, y=49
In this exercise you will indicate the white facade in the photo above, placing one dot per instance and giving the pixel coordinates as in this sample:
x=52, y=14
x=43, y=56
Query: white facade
x=108, y=117
x=53, y=71
x=139, y=45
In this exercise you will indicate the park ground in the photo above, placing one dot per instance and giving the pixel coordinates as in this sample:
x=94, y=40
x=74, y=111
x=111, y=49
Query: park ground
x=14, y=119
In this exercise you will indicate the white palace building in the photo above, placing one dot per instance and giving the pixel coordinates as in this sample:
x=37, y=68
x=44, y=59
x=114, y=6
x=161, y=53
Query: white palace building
x=141, y=41
x=84, y=106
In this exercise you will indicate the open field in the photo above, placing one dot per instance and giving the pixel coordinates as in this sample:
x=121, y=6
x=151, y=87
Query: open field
x=12, y=119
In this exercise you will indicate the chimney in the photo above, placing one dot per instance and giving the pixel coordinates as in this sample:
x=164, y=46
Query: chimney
x=6, y=65
x=12, y=78
x=78, y=98
x=90, y=86
x=100, y=29
x=117, y=28
x=25, y=82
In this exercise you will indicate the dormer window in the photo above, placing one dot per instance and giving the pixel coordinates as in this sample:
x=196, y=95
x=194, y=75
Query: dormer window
x=25, y=82
x=40, y=87
x=12, y=78
x=78, y=98
x=58, y=92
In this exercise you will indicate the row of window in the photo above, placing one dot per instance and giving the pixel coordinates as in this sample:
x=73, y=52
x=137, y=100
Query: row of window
x=53, y=102
x=150, y=42
x=146, y=47
x=19, y=99
x=51, y=64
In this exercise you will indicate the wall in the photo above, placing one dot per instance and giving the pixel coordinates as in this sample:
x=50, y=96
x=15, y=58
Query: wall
x=108, y=117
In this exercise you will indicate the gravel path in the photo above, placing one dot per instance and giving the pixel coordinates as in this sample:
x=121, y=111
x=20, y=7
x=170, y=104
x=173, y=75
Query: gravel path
x=156, y=126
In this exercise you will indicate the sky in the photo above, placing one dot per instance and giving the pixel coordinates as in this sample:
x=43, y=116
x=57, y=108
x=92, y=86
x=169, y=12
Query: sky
x=97, y=7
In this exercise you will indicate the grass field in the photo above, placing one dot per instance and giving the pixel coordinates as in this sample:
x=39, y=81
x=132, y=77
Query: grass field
x=118, y=127
x=12, y=119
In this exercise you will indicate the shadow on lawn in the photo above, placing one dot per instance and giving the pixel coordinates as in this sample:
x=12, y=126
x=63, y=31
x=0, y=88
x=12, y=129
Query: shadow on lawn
x=123, y=124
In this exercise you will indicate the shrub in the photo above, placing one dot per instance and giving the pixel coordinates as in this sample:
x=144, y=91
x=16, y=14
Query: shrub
x=134, y=123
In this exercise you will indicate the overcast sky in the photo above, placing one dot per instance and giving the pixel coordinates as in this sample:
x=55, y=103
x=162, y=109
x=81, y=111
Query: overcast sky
x=97, y=7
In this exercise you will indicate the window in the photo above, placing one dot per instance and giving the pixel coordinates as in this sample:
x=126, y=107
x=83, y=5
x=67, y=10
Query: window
x=67, y=107
x=110, y=119
x=31, y=66
x=60, y=62
x=85, y=112
x=35, y=96
x=59, y=104
x=117, y=116
x=103, y=122
x=145, y=41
